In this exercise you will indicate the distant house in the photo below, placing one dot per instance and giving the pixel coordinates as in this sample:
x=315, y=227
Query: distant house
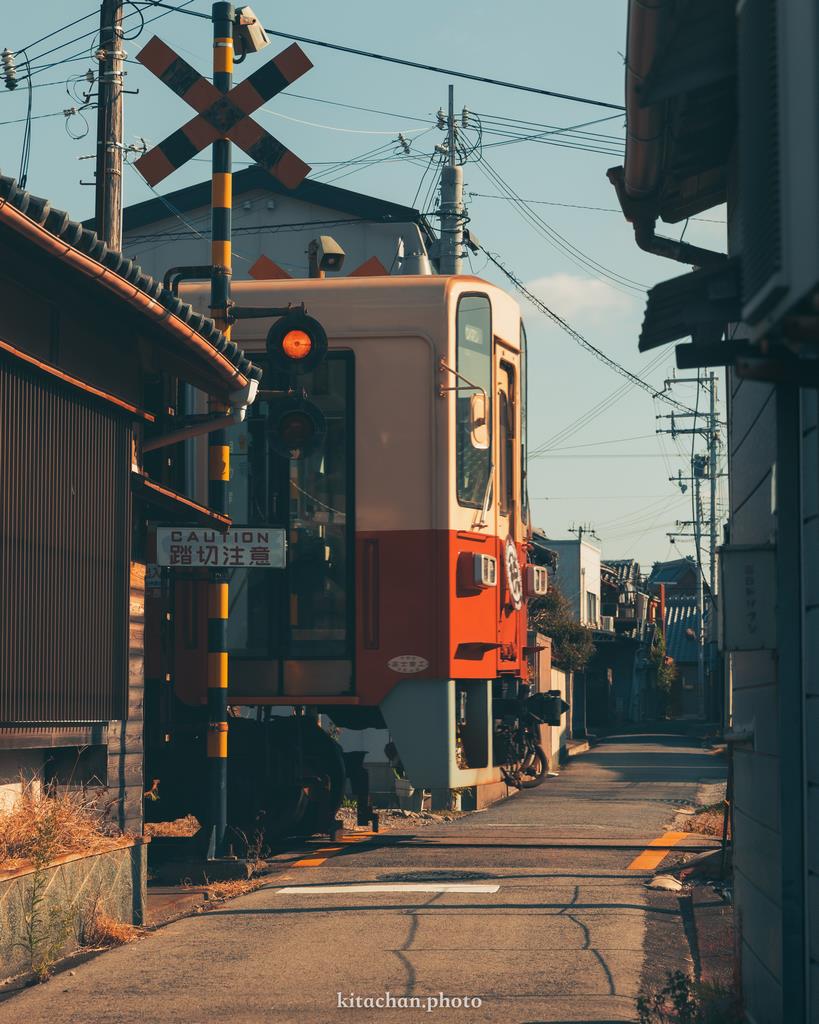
x=679, y=576
x=681, y=631
x=276, y=223
x=578, y=577
x=679, y=580
x=619, y=678
x=88, y=345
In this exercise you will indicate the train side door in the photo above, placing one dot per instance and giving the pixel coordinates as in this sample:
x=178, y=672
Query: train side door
x=507, y=483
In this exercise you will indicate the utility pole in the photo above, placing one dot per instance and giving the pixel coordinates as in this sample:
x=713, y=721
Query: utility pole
x=702, y=466
x=713, y=445
x=700, y=602
x=586, y=528
x=108, y=200
x=452, y=204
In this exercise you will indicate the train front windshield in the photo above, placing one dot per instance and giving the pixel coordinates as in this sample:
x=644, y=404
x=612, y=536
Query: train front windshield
x=305, y=611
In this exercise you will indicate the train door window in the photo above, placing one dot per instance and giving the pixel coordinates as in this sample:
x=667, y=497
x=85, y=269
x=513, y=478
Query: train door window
x=305, y=610
x=474, y=363
x=320, y=534
x=251, y=622
x=506, y=439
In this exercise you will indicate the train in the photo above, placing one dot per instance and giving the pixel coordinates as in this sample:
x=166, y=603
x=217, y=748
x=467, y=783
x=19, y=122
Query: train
x=394, y=458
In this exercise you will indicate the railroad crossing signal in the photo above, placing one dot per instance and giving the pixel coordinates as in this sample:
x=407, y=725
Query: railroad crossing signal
x=223, y=115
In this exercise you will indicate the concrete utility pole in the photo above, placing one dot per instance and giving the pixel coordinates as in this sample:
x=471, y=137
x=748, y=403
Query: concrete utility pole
x=713, y=445
x=702, y=466
x=700, y=601
x=108, y=203
x=452, y=202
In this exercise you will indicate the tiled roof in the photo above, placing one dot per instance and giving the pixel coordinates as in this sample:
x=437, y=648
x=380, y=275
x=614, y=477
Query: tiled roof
x=72, y=233
x=681, y=627
x=671, y=572
x=318, y=193
x=627, y=570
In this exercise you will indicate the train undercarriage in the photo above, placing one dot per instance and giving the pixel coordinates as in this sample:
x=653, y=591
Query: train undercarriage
x=288, y=775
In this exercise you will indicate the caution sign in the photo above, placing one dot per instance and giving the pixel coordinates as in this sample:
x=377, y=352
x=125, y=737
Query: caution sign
x=248, y=547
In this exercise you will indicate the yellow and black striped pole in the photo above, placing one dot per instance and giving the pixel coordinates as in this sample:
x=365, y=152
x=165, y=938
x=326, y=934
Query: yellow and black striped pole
x=223, y=16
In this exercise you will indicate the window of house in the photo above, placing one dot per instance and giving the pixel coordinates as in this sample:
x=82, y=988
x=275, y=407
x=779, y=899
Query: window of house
x=474, y=363
x=591, y=607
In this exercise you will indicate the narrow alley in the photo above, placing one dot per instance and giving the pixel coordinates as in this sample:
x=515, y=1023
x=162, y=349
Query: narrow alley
x=530, y=907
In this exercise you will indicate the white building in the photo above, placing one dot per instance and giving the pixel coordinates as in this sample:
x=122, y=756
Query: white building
x=272, y=221
x=578, y=577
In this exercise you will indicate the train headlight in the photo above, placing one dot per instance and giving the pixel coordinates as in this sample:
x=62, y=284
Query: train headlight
x=296, y=343
x=295, y=427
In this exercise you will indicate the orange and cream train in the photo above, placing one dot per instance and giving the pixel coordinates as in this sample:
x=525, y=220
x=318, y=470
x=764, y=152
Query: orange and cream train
x=403, y=602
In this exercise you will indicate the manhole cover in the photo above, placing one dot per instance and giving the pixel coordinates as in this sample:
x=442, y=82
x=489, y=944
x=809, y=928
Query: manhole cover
x=434, y=876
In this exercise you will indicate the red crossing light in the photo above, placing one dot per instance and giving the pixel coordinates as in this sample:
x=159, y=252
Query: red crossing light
x=296, y=343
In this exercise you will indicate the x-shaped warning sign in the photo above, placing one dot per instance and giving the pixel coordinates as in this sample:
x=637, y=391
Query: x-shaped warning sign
x=223, y=115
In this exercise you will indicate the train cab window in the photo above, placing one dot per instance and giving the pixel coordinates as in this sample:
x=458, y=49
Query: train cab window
x=473, y=458
x=506, y=439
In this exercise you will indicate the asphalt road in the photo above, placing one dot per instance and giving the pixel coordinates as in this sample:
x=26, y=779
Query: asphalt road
x=552, y=925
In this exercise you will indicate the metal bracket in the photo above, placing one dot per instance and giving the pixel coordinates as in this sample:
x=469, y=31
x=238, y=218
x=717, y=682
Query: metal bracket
x=262, y=312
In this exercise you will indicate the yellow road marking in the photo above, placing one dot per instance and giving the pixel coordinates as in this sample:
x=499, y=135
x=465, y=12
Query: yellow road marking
x=649, y=859
x=313, y=862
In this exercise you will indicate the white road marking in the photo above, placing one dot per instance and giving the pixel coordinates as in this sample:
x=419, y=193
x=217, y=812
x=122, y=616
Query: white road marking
x=319, y=890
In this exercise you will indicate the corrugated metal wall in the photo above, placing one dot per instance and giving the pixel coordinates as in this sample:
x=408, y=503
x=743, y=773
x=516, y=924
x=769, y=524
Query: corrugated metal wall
x=64, y=552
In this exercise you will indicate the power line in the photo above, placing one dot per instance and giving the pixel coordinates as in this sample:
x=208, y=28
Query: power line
x=580, y=206
x=371, y=55
x=594, y=444
x=516, y=124
x=84, y=55
x=578, y=337
x=555, y=239
x=57, y=31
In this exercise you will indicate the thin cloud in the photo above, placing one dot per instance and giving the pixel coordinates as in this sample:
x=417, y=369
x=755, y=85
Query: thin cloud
x=581, y=298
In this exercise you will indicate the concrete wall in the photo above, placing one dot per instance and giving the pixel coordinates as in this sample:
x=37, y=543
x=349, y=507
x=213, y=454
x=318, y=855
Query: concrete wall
x=810, y=676
x=758, y=840
x=46, y=914
x=261, y=226
x=559, y=735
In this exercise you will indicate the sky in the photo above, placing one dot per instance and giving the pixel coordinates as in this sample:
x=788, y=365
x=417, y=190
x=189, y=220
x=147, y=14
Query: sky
x=600, y=465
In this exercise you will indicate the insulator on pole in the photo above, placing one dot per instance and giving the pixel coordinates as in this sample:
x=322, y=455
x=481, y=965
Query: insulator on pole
x=464, y=118
x=9, y=69
x=441, y=116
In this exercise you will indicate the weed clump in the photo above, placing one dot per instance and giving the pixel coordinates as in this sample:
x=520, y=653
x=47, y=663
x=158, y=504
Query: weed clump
x=682, y=1000
x=46, y=822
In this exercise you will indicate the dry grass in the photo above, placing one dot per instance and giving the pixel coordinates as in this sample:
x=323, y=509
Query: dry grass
x=103, y=930
x=47, y=822
x=218, y=892
x=707, y=821
x=187, y=826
